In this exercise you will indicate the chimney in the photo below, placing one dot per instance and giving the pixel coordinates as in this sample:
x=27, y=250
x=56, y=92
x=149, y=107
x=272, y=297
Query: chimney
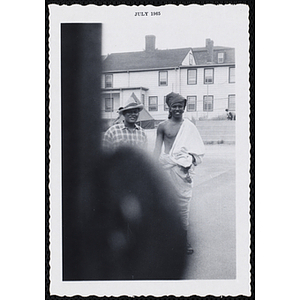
x=210, y=50
x=150, y=42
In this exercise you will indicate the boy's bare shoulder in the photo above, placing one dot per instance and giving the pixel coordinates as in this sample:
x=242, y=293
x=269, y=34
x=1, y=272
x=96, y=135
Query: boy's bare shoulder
x=163, y=124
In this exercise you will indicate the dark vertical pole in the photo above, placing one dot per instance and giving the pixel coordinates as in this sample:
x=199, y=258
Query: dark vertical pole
x=81, y=134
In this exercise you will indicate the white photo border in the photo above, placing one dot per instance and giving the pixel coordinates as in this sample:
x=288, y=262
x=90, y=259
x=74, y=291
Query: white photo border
x=239, y=286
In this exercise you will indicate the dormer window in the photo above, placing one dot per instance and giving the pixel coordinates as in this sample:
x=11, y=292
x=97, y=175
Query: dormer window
x=191, y=61
x=220, y=57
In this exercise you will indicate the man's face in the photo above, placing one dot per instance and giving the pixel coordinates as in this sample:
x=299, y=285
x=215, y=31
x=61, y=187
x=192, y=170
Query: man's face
x=177, y=109
x=131, y=115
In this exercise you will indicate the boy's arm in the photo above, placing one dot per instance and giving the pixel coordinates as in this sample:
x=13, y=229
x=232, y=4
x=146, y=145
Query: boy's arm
x=159, y=141
x=197, y=159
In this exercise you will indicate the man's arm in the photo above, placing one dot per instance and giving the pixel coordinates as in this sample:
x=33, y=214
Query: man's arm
x=107, y=142
x=159, y=141
x=145, y=146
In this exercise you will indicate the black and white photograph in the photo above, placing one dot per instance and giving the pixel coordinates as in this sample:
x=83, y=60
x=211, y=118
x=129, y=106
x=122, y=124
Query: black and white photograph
x=149, y=150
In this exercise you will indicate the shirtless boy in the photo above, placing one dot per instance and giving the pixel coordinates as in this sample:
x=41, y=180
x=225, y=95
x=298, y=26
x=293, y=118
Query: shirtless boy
x=183, y=150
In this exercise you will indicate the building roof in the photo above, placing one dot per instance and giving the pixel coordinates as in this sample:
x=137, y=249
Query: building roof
x=201, y=55
x=160, y=59
x=145, y=59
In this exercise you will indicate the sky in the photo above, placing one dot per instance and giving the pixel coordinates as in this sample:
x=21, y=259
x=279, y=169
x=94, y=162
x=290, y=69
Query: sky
x=174, y=26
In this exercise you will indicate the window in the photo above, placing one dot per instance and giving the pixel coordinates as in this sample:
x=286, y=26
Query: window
x=208, y=76
x=108, y=81
x=220, y=57
x=191, y=103
x=232, y=75
x=191, y=59
x=153, y=103
x=166, y=107
x=231, y=102
x=192, y=76
x=109, y=104
x=163, y=78
x=208, y=103
x=143, y=99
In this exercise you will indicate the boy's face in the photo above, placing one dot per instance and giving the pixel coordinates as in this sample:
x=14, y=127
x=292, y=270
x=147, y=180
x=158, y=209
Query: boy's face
x=177, y=109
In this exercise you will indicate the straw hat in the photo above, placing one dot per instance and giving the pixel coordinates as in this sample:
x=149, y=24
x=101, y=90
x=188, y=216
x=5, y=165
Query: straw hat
x=132, y=103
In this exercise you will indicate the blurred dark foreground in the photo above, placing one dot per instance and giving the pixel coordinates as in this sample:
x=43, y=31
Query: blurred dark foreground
x=119, y=218
x=125, y=225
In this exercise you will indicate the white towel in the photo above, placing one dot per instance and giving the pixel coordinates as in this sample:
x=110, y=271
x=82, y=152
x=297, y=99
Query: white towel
x=188, y=141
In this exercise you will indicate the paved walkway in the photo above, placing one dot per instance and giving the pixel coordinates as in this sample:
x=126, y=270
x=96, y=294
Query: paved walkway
x=212, y=217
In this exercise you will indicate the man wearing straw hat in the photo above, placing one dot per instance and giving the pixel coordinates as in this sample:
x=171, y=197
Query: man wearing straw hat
x=127, y=133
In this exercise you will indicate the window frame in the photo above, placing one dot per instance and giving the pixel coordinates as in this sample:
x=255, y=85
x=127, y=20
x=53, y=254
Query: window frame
x=151, y=106
x=191, y=59
x=222, y=58
x=143, y=99
x=187, y=103
x=166, y=107
x=213, y=74
x=229, y=96
x=106, y=81
x=188, y=77
x=229, y=73
x=159, y=78
x=112, y=104
x=212, y=103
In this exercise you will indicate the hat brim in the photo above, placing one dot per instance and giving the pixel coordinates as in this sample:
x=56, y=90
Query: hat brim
x=138, y=106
